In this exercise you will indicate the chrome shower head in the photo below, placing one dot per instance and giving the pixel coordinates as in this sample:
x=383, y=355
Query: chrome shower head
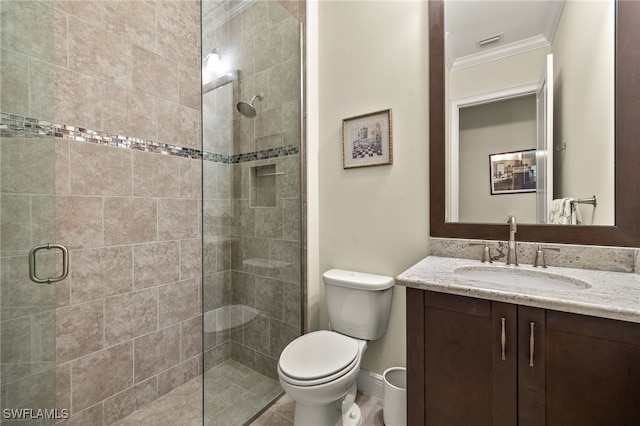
x=246, y=108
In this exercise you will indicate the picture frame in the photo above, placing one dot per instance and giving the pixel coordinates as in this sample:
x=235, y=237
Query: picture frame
x=367, y=140
x=513, y=172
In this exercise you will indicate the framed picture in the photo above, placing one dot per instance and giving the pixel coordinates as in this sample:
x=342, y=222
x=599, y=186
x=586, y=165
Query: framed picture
x=513, y=172
x=366, y=140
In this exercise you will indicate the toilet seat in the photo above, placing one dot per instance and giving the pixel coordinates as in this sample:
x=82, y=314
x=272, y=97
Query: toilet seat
x=318, y=357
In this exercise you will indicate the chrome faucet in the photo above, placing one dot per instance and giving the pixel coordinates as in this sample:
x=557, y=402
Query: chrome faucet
x=512, y=257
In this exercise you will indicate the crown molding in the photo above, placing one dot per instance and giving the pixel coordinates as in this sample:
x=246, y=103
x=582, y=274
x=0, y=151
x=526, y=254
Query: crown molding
x=500, y=52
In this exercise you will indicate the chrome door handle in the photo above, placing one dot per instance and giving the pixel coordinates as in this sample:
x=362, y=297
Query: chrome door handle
x=32, y=263
x=503, y=339
x=532, y=343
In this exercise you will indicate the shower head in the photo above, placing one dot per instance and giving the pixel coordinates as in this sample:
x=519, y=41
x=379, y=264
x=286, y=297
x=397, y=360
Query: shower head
x=246, y=108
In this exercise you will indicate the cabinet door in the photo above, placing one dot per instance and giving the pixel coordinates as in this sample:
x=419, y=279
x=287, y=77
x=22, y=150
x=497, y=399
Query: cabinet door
x=531, y=366
x=467, y=381
x=592, y=371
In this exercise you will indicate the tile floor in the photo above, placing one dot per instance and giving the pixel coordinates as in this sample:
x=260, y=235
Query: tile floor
x=233, y=394
x=281, y=413
x=180, y=407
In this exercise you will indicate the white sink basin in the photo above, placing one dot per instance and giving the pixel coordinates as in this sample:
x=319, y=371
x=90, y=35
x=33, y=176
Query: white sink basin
x=518, y=276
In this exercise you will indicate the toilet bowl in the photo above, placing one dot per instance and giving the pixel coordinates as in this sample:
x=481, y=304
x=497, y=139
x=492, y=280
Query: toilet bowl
x=319, y=370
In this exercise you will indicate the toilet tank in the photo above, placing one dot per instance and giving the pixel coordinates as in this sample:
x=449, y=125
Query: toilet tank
x=359, y=304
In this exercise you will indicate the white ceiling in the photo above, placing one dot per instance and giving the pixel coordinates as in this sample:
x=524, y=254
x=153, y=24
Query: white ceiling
x=524, y=25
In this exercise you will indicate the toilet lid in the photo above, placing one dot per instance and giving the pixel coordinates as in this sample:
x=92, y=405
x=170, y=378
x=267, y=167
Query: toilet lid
x=318, y=354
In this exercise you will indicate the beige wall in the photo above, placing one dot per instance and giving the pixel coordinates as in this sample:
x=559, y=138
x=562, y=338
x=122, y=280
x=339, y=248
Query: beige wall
x=584, y=107
x=372, y=56
x=512, y=71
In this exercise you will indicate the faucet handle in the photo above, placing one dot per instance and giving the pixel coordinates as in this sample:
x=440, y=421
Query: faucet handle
x=486, y=252
x=539, y=262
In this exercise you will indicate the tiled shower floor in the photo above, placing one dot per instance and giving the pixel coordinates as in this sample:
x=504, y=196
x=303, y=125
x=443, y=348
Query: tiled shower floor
x=233, y=394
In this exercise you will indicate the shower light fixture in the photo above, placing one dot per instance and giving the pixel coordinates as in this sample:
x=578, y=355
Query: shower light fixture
x=213, y=63
x=217, y=71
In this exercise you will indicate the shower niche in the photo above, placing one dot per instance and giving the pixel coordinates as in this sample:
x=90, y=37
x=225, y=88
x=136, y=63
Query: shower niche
x=263, y=185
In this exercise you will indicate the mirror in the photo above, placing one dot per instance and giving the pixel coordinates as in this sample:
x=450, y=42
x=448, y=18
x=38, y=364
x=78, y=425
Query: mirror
x=522, y=76
x=626, y=228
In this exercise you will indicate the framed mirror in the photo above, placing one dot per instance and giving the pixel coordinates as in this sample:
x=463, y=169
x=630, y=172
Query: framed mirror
x=626, y=230
x=530, y=76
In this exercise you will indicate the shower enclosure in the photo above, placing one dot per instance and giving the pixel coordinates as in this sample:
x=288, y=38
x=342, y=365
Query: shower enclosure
x=252, y=201
x=113, y=172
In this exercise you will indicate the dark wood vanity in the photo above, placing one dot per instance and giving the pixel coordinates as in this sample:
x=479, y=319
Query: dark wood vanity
x=479, y=362
x=476, y=361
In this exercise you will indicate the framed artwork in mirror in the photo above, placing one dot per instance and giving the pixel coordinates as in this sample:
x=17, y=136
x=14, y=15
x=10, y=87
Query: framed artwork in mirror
x=366, y=140
x=513, y=172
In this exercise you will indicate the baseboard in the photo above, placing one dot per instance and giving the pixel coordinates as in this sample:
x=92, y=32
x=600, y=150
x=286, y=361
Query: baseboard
x=370, y=383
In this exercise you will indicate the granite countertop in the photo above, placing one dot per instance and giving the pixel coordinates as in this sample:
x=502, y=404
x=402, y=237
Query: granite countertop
x=614, y=295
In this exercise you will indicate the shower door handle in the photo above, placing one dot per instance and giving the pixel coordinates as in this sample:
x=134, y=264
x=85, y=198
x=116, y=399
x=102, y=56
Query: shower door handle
x=32, y=263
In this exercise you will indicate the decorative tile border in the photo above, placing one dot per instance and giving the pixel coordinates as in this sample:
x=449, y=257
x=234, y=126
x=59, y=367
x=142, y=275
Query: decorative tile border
x=12, y=125
x=80, y=134
x=281, y=151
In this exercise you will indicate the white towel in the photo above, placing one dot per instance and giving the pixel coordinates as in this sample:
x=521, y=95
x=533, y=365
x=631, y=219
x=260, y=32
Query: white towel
x=564, y=211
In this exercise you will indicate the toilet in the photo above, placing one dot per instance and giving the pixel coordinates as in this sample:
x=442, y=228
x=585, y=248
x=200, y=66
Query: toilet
x=318, y=370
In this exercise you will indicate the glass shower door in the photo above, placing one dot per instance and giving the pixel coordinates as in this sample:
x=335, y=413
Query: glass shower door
x=252, y=201
x=27, y=219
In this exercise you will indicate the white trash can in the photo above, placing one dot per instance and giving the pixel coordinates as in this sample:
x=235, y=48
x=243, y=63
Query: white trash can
x=394, y=403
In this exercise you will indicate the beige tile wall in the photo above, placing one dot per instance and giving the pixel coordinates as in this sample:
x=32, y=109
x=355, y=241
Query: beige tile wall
x=130, y=67
x=252, y=228
x=128, y=318
x=133, y=295
x=25, y=71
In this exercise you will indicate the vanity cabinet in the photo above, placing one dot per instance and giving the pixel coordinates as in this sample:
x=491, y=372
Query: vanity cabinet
x=477, y=362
